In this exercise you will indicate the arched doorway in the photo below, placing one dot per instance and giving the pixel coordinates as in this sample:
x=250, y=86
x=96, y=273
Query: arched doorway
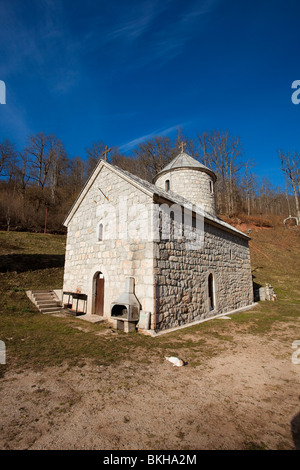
x=99, y=293
x=211, y=293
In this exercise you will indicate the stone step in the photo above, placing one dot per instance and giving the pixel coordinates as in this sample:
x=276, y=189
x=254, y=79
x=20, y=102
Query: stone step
x=40, y=292
x=46, y=299
x=50, y=310
x=44, y=296
x=48, y=304
x=51, y=313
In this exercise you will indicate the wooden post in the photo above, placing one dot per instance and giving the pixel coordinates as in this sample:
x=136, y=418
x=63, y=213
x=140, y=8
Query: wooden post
x=45, y=228
x=155, y=306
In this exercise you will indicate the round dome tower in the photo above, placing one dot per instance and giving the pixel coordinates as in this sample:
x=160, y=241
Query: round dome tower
x=190, y=179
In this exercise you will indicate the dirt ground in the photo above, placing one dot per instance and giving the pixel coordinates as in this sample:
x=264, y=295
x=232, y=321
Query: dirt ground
x=244, y=398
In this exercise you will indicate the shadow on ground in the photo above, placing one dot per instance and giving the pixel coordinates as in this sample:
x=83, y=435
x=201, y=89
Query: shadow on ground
x=295, y=428
x=21, y=263
x=256, y=287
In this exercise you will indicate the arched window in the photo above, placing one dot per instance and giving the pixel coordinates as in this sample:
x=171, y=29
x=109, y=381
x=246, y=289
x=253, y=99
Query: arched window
x=211, y=293
x=167, y=185
x=100, y=232
x=211, y=187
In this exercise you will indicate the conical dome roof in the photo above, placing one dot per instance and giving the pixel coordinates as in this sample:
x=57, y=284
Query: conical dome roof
x=183, y=160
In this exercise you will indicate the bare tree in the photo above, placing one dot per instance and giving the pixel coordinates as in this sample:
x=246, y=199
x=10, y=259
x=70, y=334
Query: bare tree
x=205, y=153
x=38, y=152
x=153, y=155
x=96, y=150
x=77, y=175
x=23, y=174
x=94, y=154
x=99, y=151
x=290, y=165
x=248, y=185
x=124, y=162
x=58, y=164
x=221, y=152
x=8, y=156
x=189, y=144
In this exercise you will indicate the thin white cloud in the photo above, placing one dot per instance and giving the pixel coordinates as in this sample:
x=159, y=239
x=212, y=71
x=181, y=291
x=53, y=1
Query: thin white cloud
x=160, y=46
x=130, y=30
x=16, y=118
x=133, y=23
x=170, y=42
x=46, y=50
x=53, y=52
x=156, y=133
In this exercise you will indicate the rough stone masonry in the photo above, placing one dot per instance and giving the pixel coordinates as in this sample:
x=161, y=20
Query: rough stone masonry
x=122, y=226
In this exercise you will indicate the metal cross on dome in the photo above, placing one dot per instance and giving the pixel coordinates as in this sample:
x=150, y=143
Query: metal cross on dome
x=182, y=145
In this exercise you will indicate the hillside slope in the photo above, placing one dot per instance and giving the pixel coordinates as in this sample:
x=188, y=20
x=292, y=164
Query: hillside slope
x=75, y=385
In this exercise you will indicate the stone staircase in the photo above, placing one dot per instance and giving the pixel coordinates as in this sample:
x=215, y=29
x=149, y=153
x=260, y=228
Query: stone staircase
x=45, y=300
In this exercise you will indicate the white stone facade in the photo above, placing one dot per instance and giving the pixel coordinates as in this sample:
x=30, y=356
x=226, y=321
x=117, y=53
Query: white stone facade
x=117, y=256
x=171, y=281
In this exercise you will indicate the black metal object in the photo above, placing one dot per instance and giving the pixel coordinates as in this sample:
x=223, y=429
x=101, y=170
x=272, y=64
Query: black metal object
x=75, y=296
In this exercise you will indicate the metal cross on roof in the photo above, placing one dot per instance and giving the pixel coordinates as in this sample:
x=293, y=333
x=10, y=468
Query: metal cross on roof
x=106, y=151
x=182, y=145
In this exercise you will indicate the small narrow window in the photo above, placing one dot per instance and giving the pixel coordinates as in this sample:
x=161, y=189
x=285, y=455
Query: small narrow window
x=100, y=233
x=211, y=294
x=167, y=185
x=194, y=220
x=211, y=187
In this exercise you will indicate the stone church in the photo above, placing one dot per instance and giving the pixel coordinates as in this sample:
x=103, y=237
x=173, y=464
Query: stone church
x=153, y=256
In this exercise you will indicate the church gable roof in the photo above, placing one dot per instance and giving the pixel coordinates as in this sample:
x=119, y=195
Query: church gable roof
x=92, y=179
x=176, y=199
x=151, y=190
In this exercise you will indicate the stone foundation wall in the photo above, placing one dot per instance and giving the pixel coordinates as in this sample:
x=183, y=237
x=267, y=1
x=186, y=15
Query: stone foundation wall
x=182, y=277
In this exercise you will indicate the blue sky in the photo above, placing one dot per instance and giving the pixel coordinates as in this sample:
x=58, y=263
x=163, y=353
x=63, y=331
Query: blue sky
x=123, y=71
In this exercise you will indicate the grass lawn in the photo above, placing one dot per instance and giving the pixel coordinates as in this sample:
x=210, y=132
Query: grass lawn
x=35, y=261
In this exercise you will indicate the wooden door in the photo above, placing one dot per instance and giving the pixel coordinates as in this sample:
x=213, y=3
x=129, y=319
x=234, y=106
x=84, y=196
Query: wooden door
x=99, y=302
